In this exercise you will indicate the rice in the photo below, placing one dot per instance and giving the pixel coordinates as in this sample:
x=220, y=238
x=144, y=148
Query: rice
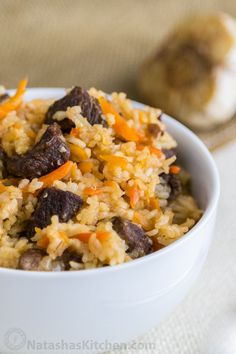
x=102, y=160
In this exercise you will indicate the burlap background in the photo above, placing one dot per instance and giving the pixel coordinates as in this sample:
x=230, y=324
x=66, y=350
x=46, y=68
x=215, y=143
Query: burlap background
x=103, y=43
x=88, y=42
x=98, y=43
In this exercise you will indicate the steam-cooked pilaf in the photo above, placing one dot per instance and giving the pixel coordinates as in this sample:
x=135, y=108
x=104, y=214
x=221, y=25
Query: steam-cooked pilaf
x=87, y=182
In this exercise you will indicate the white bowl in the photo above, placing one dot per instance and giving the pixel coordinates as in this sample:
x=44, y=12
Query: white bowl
x=112, y=304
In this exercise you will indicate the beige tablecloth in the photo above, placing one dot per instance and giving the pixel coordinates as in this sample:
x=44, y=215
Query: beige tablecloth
x=102, y=43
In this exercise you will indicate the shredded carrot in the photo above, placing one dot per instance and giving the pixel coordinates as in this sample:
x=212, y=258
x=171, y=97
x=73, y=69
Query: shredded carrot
x=102, y=235
x=13, y=102
x=134, y=196
x=31, y=134
x=174, y=169
x=141, y=146
x=93, y=191
x=74, y=132
x=154, y=203
x=57, y=174
x=156, y=151
x=85, y=166
x=78, y=154
x=85, y=236
x=110, y=184
x=43, y=242
x=63, y=237
x=152, y=149
x=121, y=127
x=115, y=161
x=2, y=188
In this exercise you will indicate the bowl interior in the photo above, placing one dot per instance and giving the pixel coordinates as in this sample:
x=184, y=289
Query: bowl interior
x=195, y=158
x=192, y=153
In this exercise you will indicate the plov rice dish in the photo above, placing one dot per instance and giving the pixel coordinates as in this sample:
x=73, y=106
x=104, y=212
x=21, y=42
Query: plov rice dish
x=87, y=182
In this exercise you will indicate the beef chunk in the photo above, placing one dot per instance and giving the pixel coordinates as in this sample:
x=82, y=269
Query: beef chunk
x=154, y=130
x=30, y=259
x=48, y=154
x=53, y=201
x=4, y=97
x=69, y=256
x=138, y=243
x=3, y=157
x=2, y=154
x=90, y=108
x=169, y=152
x=174, y=183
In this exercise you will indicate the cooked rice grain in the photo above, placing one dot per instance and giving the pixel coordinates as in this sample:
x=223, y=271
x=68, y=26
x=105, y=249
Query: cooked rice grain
x=162, y=219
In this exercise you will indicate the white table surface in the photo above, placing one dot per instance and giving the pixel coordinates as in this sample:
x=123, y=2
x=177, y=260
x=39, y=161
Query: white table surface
x=202, y=315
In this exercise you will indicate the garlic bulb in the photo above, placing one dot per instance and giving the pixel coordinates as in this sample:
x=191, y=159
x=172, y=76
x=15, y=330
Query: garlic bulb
x=193, y=74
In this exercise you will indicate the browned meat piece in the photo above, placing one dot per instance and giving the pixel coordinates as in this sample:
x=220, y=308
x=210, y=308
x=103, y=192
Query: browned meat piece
x=48, y=154
x=2, y=154
x=4, y=97
x=154, y=130
x=67, y=257
x=169, y=152
x=174, y=183
x=53, y=201
x=30, y=259
x=90, y=108
x=139, y=244
x=3, y=162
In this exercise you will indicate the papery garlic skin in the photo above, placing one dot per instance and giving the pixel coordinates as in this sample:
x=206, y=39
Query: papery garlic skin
x=193, y=75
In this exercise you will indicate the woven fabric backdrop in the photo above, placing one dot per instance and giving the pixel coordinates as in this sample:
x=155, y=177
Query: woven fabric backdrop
x=98, y=43
x=103, y=43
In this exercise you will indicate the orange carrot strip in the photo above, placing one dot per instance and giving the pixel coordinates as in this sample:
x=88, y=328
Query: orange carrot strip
x=13, y=102
x=140, y=147
x=121, y=127
x=74, y=131
x=152, y=149
x=31, y=134
x=174, y=169
x=85, y=166
x=63, y=237
x=134, y=196
x=57, y=174
x=78, y=154
x=83, y=236
x=154, y=203
x=115, y=160
x=3, y=188
x=43, y=242
x=93, y=191
x=110, y=184
x=156, y=151
x=102, y=235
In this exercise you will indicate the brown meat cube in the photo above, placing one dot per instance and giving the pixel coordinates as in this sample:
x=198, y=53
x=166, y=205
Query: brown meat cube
x=139, y=244
x=47, y=155
x=90, y=108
